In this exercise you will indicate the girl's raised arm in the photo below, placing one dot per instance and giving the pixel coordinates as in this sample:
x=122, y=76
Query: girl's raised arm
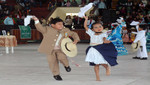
x=85, y=23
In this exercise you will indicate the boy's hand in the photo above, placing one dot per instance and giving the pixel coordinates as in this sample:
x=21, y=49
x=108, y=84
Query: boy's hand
x=35, y=18
x=75, y=42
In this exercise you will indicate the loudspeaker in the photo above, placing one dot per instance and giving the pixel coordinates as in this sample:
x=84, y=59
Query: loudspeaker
x=109, y=16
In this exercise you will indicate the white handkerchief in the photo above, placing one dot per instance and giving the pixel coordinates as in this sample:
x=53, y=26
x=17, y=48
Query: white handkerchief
x=84, y=9
x=134, y=23
x=80, y=14
x=27, y=20
x=119, y=20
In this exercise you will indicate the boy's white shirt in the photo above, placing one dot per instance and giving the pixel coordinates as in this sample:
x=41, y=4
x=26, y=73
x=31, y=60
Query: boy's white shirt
x=140, y=35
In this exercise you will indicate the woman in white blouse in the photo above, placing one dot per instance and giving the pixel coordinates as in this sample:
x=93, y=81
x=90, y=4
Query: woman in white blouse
x=101, y=51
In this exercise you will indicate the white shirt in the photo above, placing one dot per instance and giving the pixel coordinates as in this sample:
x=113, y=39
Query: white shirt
x=140, y=37
x=96, y=39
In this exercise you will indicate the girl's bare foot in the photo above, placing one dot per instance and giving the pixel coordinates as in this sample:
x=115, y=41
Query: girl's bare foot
x=98, y=80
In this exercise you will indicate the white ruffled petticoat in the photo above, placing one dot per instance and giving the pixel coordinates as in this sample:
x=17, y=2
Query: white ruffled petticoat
x=95, y=57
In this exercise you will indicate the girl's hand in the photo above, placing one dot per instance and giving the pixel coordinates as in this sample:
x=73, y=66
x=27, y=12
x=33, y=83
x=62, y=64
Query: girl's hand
x=85, y=17
x=106, y=41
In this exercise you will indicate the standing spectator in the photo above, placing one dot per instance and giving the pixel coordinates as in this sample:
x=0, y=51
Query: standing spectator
x=125, y=36
x=74, y=3
x=63, y=3
x=68, y=3
x=108, y=4
x=101, y=7
x=33, y=3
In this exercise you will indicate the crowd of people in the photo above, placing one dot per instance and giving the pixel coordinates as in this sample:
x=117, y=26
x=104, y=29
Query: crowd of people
x=131, y=10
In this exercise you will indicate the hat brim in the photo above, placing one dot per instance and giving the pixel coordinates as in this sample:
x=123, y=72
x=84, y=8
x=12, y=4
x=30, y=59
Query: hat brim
x=135, y=46
x=63, y=48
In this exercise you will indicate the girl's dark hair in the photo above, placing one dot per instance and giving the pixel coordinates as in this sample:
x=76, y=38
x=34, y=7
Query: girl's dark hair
x=94, y=24
x=55, y=20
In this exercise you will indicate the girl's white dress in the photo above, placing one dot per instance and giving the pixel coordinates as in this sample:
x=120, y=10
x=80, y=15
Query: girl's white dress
x=93, y=55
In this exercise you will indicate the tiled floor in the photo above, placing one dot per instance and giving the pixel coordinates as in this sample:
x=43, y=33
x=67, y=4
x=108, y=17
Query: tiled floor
x=28, y=67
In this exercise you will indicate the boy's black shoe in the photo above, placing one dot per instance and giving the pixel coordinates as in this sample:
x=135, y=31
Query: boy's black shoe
x=68, y=69
x=58, y=77
x=143, y=59
x=136, y=57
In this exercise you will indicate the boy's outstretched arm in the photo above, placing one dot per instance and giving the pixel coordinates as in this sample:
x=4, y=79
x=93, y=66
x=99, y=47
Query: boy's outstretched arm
x=38, y=25
x=85, y=23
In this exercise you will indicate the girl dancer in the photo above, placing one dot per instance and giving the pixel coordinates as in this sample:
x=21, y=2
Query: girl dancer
x=116, y=38
x=101, y=51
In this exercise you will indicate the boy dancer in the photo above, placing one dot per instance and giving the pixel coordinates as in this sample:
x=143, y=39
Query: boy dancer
x=142, y=52
x=50, y=44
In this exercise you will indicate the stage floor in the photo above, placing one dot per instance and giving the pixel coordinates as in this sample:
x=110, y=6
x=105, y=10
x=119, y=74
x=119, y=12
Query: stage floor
x=28, y=67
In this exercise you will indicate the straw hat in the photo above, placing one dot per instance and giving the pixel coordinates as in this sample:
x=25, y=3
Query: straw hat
x=68, y=47
x=135, y=46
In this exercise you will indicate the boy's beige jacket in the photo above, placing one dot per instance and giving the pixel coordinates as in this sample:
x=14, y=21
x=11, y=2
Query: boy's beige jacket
x=50, y=36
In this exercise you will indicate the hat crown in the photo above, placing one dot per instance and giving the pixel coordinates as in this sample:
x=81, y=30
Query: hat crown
x=70, y=46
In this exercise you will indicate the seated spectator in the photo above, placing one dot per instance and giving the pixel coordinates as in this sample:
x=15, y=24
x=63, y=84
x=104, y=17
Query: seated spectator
x=123, y=11
x=6, y=12
x=3, y=1
x=83, y=2
x=68, y=22
x=144, y=2
x=147, y=19
x=50, y=6
x=141, y=5
x=99, y=20
x=74, y=3
x=61, y=3
x=18, y=7
x=90, y=21
x=43, y=21
x=147, y=8
x=68, y=3
x=9, y=20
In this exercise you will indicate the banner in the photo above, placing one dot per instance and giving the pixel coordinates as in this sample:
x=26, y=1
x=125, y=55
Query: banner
x=25, y=32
